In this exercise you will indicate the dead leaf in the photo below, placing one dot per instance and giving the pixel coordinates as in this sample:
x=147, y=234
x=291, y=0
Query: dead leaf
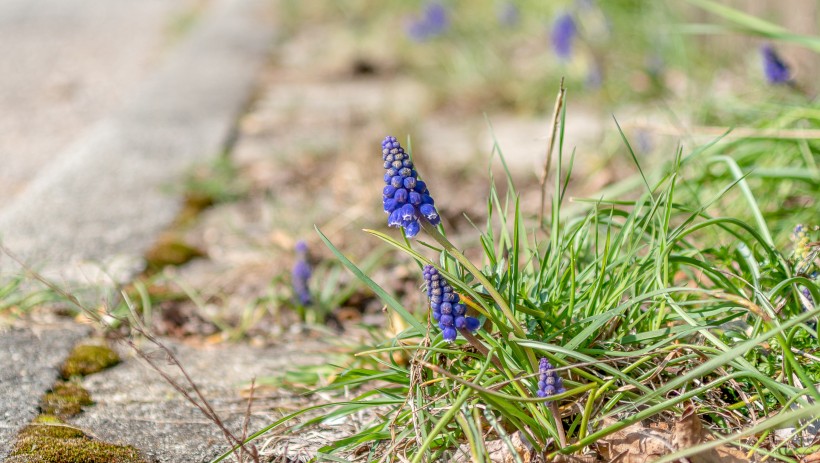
x=689, y=432
x=499, y=451
x=635, y=444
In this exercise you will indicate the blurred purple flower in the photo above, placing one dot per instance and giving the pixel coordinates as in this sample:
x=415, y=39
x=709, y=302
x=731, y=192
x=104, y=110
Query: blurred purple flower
x=562, y=34
x=405, y=197
x=508, y=14
x=549, y=383
x=776, y=71
x=300, y=274
x=448, y=311
x=433, y=21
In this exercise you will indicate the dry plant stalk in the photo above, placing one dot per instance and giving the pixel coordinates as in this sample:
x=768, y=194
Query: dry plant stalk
x=187, y=388
x=556, y=113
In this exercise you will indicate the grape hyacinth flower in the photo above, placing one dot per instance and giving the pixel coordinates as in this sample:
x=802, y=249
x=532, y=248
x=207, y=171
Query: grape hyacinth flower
x=562, y=35
x=405, y=197
x=448, y=311
x=300, y=275
x=775, y=70
x=433, y=22
x=549, y=383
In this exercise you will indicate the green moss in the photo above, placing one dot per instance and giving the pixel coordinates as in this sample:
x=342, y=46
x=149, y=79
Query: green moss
x=60, y=443
x=47, y=419
x=170, y=250
x=65, y=399
x=88, y=359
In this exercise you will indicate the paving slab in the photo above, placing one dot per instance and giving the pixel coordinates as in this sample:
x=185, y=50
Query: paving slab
x=66, y=64
x=30, y=359
x=107, y=196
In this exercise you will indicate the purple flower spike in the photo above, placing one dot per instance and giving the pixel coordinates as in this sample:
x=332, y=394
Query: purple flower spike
x=405, y=197
x=300, y=275
x=433, y=22
x=450, y=314
x=776, y=71
x=549, y=383
x=562, y=35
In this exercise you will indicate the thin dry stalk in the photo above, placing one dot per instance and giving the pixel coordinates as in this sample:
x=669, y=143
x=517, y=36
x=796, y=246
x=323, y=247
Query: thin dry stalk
x=197, y=399
x=556, y=114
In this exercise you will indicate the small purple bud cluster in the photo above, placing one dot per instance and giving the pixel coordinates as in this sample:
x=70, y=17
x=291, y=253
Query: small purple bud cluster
x=433, y=22
x=562, y=34
x=448, y=311
x=300, y=275
x=549, y=383
x=405, y=197
x=775, y=70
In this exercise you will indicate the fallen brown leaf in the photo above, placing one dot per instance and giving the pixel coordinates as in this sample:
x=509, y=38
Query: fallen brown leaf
x=689, y=432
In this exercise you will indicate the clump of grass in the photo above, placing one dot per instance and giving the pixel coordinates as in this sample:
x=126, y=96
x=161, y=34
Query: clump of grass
x=647, y=303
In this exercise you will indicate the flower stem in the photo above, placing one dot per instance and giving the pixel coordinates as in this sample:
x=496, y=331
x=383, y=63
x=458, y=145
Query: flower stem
x=474, y=341
x=559, y=425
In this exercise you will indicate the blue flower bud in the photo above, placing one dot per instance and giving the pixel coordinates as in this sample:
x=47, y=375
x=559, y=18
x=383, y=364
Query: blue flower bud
x=400, y=196
x=459, y=309
x=395, y=218
x=411, y=228
x=408, y=213
x=390, y=205
x=430, y=213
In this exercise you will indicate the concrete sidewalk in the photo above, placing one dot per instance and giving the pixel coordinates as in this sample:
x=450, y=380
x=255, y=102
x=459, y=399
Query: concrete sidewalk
x=106, y=197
